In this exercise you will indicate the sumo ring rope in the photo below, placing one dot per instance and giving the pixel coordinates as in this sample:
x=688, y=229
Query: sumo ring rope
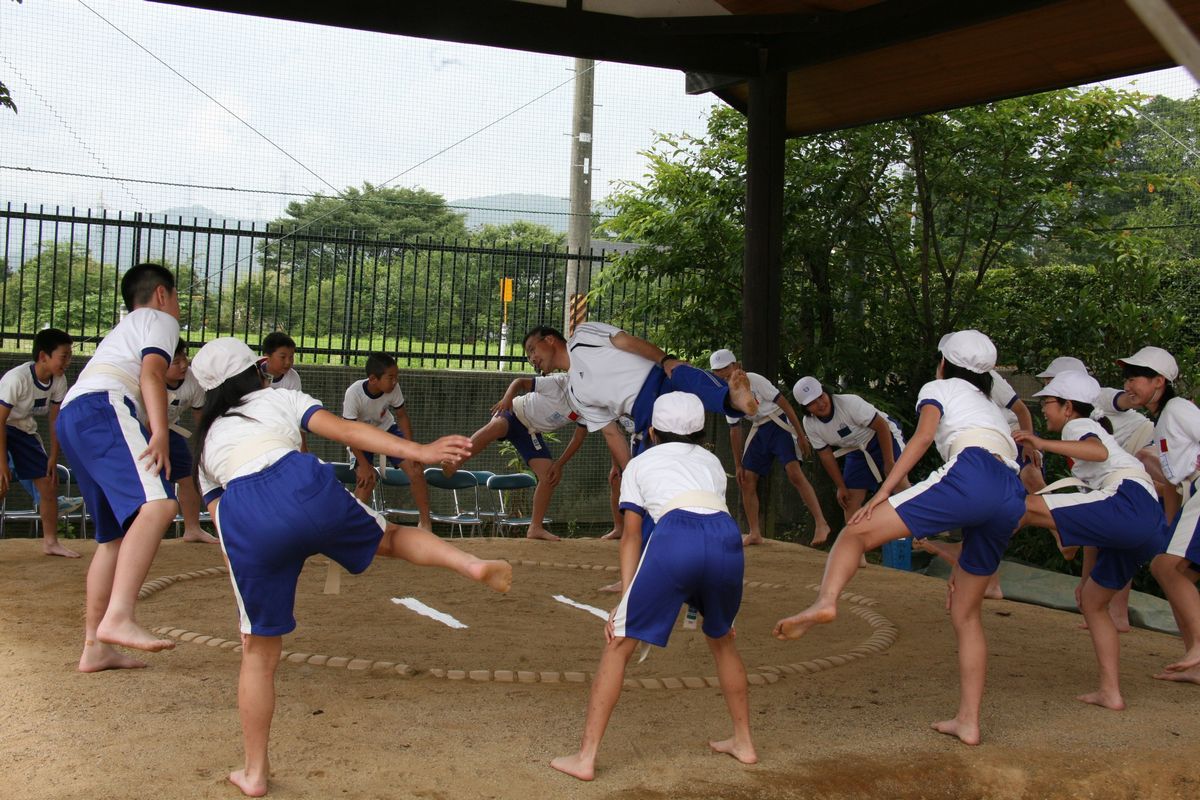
x=883, y=636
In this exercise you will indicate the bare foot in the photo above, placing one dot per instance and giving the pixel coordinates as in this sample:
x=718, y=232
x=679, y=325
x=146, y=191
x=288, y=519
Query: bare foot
x=967, y=734
x=576, y=766
x=751, y=539
x=98, y=657
x=1105, y=699
x=55, y=548
x=130, y=634
x=1122, y=624
x=449, y=468
x=742, y=752
x=496, y=574
x=199, y=537
x=615, y=533
x=993, y=591
x=796, y=626
x=1182, y=676
x=612, y=588
x=1069, y=553
x=740, y=395
x=1190, y=659
x=820, y=534
x=541, y=533
x=250, y=788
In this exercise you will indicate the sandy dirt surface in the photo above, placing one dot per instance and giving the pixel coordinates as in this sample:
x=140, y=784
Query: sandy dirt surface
x=824, y=729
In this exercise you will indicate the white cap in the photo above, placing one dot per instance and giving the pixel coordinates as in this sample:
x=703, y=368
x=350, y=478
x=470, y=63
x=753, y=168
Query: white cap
x=720, y=359
x=220, y=360
x=1062, y=364
x=969, y=349
x=1154, y=358
x=1072, y=384
x=806, y=390
x=678, y=412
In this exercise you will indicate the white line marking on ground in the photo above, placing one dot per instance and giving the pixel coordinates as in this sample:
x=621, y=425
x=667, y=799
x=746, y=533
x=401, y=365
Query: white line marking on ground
x=416, y=605
x=583, y=606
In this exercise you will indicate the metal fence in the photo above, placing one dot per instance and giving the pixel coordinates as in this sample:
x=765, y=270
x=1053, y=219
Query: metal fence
x=339, y=294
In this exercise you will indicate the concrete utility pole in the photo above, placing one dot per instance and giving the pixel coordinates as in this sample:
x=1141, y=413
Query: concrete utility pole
x=579, y=229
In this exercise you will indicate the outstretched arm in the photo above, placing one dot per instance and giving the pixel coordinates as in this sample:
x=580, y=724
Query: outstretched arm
x=363, y=437
x=633, y=344
x=883, y=435
x=794, y=418
x=555, y=474
x=927, y=424
x=1089, y=449
x=517, y=387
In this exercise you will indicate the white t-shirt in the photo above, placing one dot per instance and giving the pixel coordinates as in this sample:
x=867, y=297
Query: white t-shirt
x=373, y=410
x=848, y=426
x=268, y=415
x=26, y=397
x=143, y=331
x=545, y=408
x=288, y=380
x=766, y=393
x=1125, y=422
x=1093, y=473
x=1005, y=396
x=604, y=379
x=665, y=471
x=1178, y=435
x=963, y=408
x=187, y=394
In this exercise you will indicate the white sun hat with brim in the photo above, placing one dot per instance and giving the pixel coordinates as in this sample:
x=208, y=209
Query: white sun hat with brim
x=220, y=360
x=1072, y=384
x=678, y=412
x=1154, y=358
x=969, y=349
x=1063, y=364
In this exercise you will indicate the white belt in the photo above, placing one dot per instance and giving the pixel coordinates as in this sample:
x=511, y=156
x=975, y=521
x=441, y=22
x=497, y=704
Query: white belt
x=182, y=431
x=130, y=384
x=871, y=465
x=696, y=498
x=991, y=440
x=1111, y=480
x=1141, y=437
x=1188, y=487
x=254, y=448
x=778, y=417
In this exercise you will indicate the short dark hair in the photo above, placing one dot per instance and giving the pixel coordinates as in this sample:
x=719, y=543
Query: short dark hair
x=48, y=340
x=542, y=331
x=140, y=282
x=1137, y=371
x=276, y=340
x=666, y=437
x=181, y=347
x=379, y=363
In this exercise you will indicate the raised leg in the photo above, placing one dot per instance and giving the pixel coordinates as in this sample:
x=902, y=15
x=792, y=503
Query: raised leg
x=420, y=547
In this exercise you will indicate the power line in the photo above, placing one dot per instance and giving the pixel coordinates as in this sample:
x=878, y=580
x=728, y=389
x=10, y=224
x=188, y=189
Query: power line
x=246, y=190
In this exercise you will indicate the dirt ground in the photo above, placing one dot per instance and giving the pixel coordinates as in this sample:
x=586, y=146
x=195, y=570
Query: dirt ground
x=824, y=729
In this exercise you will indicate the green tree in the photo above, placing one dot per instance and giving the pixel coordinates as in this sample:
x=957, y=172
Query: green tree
x=324, y=235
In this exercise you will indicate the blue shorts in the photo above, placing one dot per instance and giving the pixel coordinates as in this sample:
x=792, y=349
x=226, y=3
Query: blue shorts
x=856, y=473
x=27, y=455
x=102, y=439
x=974, y=491
x=395, y=462
x=529, y=445
x=711, y=390
x=769, y=442
x=690, y=558
x=1127, y=526
x=273, y=520
x=1185, y=528
x=181, y=457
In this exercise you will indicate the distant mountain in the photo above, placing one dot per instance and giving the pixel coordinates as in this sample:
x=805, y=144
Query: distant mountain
x=501, y=209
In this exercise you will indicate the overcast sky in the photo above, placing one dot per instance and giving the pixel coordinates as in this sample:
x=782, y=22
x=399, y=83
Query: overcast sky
x=348, y=106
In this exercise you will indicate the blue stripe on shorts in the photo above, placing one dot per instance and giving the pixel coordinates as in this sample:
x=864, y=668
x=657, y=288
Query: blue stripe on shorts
x=1128, y=528
x=772, y=442
x=529, y=445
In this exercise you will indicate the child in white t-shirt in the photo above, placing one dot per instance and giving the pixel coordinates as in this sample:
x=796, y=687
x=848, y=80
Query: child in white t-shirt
x=36, y=389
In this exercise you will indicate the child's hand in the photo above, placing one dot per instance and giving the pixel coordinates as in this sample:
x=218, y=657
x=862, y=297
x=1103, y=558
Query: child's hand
x=366, y=476
x=1027, y=438
x=503, y=404
x=843, y=497
x=865, y=512
x=52, y=474
x=554, y=475
x=609, y=631
x=157, y=455
x=453, y=449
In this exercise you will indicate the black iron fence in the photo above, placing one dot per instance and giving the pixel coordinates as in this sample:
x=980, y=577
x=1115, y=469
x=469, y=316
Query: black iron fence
x=339, y=294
